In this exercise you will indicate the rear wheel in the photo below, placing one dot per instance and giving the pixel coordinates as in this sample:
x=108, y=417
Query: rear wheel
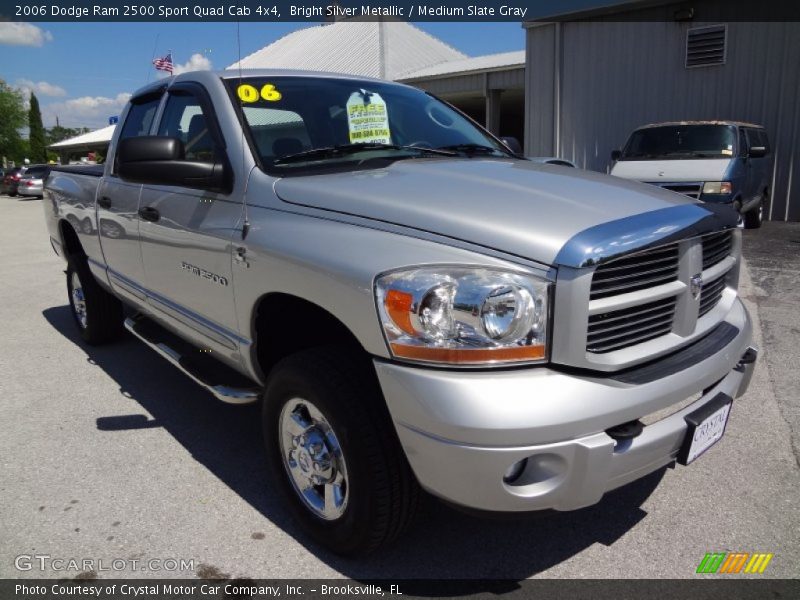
x=333, y=452
x=754, y=217
x=97, y=313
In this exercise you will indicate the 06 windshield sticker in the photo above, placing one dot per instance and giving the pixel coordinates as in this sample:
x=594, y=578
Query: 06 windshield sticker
x=249, y=93
x=368, y=118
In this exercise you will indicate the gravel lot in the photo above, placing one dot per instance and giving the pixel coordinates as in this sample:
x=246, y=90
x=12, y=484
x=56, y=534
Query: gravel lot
x=109, y=453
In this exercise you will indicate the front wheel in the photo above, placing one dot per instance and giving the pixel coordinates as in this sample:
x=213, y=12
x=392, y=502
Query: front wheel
x=97, y=313
x=754, y=217
x=333, y=451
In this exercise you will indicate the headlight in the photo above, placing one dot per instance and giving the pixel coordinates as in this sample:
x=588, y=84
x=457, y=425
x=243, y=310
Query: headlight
x=464, y=316
x=717, y=187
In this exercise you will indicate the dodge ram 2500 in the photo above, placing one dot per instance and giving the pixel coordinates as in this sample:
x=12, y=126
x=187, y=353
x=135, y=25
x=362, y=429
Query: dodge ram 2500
x=414, y=305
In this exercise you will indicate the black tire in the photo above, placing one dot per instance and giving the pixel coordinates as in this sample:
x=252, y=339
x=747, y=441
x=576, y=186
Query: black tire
x=754, y=217
x=102, y=317
x=382, y=493
x=12, y=194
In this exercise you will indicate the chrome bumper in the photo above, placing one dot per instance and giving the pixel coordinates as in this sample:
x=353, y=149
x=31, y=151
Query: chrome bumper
x=461, y=431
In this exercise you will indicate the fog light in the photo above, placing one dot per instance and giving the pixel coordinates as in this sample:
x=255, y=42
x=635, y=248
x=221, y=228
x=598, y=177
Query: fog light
x=514, y=471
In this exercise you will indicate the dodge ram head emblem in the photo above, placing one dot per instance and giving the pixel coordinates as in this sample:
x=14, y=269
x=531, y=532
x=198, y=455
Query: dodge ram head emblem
x=696, y=285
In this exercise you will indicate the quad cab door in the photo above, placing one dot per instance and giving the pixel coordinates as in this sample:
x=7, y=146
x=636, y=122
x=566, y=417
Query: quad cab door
x=187, y=234
x=118, y=206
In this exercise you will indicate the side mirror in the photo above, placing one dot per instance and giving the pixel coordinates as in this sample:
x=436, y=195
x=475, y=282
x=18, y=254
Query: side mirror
x=757, y=152
x=616, y=154
x=160, y=160
x=512, y=144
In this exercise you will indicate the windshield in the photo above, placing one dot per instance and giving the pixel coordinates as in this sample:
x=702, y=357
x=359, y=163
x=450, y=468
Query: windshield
x=302, y=123
x=681, y=142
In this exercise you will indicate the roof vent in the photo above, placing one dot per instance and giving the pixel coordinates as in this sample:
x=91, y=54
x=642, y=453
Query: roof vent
x=705, y=46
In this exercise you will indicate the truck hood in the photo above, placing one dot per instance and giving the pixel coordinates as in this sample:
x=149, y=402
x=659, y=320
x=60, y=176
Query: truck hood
x=514, y=206
x=655, y=171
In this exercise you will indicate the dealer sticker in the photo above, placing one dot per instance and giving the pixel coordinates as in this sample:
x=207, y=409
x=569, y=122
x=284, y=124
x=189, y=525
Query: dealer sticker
x=368, y=118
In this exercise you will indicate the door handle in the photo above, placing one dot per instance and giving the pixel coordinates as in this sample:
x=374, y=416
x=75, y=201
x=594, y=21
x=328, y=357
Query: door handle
x=104, y=202
x=148, y=213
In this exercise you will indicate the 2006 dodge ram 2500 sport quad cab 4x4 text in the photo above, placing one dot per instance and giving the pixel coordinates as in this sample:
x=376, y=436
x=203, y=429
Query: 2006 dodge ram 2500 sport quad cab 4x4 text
x=414, y=305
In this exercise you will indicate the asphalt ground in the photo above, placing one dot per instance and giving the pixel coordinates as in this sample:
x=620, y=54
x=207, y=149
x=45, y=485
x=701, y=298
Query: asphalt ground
x=109, y=453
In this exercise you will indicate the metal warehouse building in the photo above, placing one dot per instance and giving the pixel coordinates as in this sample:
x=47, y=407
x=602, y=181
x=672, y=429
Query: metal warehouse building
x=592, y=77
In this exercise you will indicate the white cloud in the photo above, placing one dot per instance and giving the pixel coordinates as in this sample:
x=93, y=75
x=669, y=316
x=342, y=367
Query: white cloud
x=197, y=62
x=23, y=34
x=41, y=88
x=87, y=111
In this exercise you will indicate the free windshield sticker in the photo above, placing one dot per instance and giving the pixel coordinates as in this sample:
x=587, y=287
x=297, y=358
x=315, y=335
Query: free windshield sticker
x=368, y=118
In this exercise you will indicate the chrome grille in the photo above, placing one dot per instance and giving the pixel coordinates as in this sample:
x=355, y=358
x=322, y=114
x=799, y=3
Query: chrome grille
x=687, y=189
x=716, y=247
x=710, y=294
x=621, y=328
x=635, y=272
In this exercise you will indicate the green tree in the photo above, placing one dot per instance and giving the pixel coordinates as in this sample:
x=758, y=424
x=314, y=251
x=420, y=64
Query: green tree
x=36, y=138
x=12, y=119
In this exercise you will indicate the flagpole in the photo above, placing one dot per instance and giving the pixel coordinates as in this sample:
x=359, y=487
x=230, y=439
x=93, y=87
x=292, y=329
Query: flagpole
x=155, y=48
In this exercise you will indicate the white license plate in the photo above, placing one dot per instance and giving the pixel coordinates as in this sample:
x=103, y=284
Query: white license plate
x=706, y=425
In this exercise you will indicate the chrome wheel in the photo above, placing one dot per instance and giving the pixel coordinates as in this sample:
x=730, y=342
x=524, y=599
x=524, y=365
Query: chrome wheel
x=78, y=300
x=313, y=459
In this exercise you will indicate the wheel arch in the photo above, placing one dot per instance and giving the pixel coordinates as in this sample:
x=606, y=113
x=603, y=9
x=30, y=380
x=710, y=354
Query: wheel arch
x=69, y=239
x=284, y=324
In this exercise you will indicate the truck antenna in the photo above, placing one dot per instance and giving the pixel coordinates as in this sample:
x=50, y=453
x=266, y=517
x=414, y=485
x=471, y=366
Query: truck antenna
x=246, y=222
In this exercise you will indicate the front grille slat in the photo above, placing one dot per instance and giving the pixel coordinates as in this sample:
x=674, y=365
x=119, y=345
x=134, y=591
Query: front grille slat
x=635, y=272
x=639, y=284
x=716, y=248
x=622, y=328
x=618, y=331
x=711, y=294
x=642, y=336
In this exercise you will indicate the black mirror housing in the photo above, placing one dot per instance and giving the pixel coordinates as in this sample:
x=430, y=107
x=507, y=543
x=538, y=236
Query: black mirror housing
x=616, y=154
x=512, y=144
x=160, y=160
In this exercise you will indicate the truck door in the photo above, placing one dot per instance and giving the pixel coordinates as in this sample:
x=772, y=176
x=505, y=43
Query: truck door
x=186, y=234
x=118, y=204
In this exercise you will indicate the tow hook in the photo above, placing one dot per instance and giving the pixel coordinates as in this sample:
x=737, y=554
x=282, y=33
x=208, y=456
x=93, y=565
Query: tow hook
x=748, y=358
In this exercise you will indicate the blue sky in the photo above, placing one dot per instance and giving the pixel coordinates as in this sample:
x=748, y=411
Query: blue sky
x=83, y=72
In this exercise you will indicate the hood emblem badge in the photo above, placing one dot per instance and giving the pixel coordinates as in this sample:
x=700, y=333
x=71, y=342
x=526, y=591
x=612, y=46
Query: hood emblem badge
x=696, y=285
x=661, y=173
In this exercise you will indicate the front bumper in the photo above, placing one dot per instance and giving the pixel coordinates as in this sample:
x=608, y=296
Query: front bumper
x=462, y=430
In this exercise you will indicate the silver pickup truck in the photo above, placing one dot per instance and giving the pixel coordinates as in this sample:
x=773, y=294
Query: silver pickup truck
x=414, y=305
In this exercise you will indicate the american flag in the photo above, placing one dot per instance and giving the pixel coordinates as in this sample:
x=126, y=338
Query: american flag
x=163, y=64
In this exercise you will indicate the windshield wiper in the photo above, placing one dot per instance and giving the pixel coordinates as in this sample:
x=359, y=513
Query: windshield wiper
x=470, y=149
x=345, y=149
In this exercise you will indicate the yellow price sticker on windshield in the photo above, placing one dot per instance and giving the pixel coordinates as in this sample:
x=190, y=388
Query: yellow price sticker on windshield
x=248, y=93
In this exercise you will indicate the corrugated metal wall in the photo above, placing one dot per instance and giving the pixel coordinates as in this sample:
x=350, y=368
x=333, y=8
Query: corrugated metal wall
x=615, y=76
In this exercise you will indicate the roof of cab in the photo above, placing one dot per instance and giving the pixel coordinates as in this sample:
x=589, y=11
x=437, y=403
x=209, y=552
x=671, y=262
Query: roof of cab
x=709, y=122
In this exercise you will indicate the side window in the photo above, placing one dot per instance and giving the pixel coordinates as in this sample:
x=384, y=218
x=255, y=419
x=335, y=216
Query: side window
x=742, y=142
x=763, y=140
x=139, y=120
x=753, y=138
x=184, y=119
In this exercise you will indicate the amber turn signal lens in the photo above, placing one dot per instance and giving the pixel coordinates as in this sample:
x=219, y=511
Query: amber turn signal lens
x=469, y=356
x=398, y=306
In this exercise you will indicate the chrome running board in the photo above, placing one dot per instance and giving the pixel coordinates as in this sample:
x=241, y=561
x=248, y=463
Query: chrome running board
x=148, y=332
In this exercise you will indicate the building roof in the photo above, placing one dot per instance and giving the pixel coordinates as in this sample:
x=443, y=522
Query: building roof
x=98, y=136
x=490, y=62
x=370, y=48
